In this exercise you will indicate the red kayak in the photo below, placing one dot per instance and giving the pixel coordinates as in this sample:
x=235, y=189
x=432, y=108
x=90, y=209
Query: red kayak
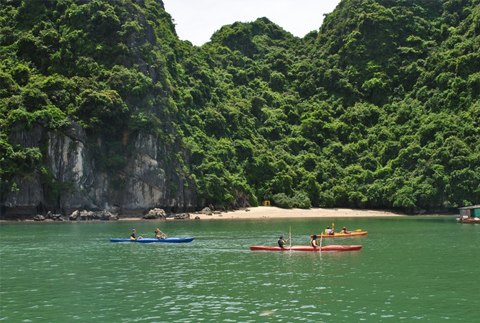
x=332, y=247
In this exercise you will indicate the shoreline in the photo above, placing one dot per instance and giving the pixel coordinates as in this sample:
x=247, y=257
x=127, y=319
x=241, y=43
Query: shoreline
x=272, y=212
x=259, y=213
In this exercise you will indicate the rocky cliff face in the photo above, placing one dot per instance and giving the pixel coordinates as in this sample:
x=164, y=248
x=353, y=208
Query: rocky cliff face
x=71, y=178
x=153, y=178
x=102, y=69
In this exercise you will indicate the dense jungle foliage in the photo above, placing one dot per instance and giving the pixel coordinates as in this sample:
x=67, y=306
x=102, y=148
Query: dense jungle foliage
x=379, y=108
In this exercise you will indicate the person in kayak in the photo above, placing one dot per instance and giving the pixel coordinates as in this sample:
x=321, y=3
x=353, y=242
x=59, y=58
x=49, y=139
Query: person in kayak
x=344, y=230
x=281, y=242
x=159, y=234
x=329, y=231
x=133, y=236
x=313, y=241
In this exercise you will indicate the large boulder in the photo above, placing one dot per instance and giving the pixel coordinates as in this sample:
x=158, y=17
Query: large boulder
x=74, y=216
x=39, y=217
x=155, y=213
x=182, y=216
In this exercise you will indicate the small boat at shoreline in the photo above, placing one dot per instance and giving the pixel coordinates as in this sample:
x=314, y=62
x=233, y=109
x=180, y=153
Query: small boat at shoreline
x=308, y=248
x=468, y=220
x=469, y=214
x=155, y=240
x=341, y=235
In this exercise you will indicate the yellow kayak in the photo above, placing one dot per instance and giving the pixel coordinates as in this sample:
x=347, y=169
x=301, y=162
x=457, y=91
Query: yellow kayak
x=341, y=235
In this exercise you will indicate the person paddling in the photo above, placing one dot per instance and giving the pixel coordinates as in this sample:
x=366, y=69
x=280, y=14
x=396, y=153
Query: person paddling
x=281, y=242
x=329, y=231
x=313, y=241
x=159, y=234
x=133, y=236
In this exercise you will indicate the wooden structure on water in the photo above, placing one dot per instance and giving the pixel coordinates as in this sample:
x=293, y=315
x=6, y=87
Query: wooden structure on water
x=469, y=214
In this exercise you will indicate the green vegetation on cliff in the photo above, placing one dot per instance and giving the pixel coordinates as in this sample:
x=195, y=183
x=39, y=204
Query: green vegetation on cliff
x=379, y=108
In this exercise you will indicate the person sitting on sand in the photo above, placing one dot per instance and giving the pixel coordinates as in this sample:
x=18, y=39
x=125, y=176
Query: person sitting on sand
x=281, y=242
x=313, y=241
x=159, y=234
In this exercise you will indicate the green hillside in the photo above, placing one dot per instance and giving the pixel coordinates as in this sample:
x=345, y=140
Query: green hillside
x=379, y=108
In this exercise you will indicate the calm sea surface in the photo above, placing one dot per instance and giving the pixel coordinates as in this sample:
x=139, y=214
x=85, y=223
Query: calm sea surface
x=424, y=269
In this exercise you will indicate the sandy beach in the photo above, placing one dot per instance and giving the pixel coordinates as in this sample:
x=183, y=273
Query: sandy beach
x=271, y=212
x=268, y=212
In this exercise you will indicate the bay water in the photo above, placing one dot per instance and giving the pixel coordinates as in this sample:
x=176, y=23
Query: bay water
x=424, y=269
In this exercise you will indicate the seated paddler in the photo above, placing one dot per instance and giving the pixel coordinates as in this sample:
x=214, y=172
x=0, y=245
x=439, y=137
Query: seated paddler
x=281, y=242
x=133, y=236
x=159, y=234
x=313, y=241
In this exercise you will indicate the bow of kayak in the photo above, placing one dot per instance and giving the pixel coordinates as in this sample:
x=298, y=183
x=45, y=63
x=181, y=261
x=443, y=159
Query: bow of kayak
x=308, y=248
x=155, y=240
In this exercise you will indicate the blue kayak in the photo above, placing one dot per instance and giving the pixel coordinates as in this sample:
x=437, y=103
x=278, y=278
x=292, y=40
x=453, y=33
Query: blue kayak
x=151, y=240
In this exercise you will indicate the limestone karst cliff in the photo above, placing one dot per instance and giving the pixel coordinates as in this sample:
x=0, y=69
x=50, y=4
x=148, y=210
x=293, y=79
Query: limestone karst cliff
x=91, y=112
x=103, y=107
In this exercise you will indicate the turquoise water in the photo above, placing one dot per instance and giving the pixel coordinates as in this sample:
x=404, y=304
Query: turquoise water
x=422, y=269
